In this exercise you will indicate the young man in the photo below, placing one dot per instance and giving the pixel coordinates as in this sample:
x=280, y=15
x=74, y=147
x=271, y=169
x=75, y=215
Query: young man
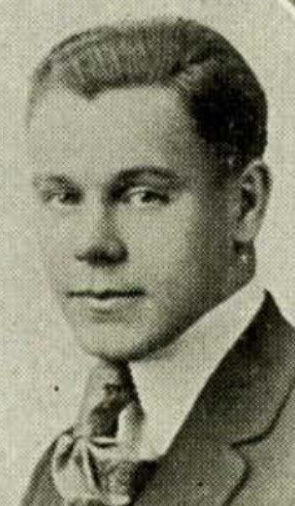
x=147, y=146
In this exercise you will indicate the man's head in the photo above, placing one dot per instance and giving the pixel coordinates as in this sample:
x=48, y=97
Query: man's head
x=146, y=142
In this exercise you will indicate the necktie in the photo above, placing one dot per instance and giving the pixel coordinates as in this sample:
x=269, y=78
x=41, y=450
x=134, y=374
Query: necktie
x=95, y=460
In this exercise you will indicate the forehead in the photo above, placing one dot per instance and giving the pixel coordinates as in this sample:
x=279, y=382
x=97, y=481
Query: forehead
x=119, y=129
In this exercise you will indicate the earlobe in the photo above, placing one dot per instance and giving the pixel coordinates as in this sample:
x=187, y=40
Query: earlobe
x=254, y=188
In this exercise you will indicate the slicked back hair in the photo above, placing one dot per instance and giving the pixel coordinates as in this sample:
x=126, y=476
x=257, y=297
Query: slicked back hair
x=220, y=91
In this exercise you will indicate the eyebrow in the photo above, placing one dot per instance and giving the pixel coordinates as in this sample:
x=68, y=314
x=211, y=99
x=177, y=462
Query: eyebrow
x=124, y=177
x=130, y=176
x=59, y=179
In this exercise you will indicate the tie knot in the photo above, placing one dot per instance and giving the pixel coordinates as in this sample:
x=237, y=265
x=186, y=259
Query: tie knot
x=116, y=395
x=103, y=419
x=108, y=392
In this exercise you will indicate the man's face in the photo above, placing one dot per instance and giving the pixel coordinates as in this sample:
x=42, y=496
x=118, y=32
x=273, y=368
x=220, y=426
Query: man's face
x=134, y=230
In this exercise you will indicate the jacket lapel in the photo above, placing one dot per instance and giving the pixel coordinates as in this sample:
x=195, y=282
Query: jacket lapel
x=197, y=470
x=42, y=491
x=238, y=405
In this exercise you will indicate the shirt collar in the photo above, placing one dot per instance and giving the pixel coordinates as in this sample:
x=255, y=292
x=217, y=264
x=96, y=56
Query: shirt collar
x=169, y=381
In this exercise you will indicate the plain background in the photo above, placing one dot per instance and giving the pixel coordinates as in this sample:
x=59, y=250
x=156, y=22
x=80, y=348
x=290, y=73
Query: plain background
x=42, y=373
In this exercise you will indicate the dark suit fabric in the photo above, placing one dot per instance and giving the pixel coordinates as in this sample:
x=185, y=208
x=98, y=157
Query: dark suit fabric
x=237, y=446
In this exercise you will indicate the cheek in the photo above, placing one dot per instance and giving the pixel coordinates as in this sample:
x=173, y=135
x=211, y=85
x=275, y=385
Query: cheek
x=55, y=244
x=162, y=243
x=189, y=240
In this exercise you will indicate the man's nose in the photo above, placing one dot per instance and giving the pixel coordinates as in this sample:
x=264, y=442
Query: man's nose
x=100, y=243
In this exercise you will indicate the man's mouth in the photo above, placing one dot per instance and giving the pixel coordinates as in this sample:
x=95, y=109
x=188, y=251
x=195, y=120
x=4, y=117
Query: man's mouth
x=108, y=299
x=107, y=293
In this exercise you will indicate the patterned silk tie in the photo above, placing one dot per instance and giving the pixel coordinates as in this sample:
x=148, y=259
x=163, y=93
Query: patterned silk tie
x=95, y=462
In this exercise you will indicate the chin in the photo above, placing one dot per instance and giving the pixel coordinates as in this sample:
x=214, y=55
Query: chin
x=114, y=346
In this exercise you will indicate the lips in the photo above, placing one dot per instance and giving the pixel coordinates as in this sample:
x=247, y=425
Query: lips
x=107, y=293
x=109, y=301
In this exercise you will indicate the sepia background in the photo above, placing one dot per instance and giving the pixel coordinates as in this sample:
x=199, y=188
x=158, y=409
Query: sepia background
x=42, y=373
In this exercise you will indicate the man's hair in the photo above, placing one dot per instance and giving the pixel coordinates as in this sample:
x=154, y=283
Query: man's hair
x=220, y=91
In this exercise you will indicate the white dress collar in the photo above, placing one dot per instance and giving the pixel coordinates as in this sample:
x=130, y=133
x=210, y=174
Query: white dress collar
x=168, y=382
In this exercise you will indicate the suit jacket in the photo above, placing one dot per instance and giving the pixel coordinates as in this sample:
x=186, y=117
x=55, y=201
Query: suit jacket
x=237, y=446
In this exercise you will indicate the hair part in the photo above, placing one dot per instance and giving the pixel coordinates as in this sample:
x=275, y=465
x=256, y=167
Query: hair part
x=222, y=94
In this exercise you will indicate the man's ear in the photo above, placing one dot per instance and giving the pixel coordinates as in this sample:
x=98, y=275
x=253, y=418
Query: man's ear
x=253, y=186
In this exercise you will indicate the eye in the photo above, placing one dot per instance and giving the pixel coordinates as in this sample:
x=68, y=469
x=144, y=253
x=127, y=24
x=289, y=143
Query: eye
x=143, y=196
x=61, y=197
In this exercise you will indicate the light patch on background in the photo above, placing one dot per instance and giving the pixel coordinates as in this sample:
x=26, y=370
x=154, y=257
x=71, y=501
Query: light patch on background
x=289, y=5
x=42, y=373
